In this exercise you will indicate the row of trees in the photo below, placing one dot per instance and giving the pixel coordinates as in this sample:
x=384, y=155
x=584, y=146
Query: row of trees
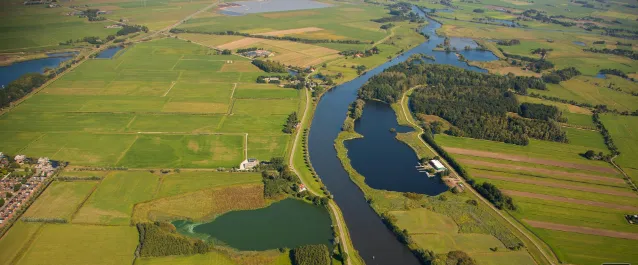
x=161, y=239
x=270, y=66
x=128, y=29
x=615, y=72
x=557, y=76
x=365, y=53
x=508, y=42
x=536, y=65
x=311, y=255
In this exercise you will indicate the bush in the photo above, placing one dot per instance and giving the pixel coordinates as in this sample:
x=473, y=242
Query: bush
x=160, y=239
x=311, y=255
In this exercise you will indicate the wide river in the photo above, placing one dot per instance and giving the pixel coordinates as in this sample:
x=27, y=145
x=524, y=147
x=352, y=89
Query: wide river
x=375, y=243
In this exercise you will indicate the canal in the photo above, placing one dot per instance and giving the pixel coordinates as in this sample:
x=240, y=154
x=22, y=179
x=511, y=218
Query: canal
x=374, y=242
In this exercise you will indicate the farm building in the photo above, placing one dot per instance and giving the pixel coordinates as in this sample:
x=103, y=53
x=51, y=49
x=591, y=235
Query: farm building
x=248, y=164
x=259, y=53
x=302, y=187
x=20, y=159
x=436, y=164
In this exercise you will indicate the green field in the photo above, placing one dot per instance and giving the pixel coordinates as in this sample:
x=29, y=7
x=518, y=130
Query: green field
x=86, y=244
x=624, y=131
x=60, y=199
x=112, y=203
x=215, y=258
x=188, y=181
x=17, y=239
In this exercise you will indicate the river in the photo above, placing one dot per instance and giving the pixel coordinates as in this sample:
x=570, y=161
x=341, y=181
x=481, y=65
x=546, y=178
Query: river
x=374, y=242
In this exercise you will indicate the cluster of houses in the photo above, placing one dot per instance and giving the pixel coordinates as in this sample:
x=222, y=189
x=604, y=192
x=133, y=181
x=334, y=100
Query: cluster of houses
x=259, y=53
x=17, y=189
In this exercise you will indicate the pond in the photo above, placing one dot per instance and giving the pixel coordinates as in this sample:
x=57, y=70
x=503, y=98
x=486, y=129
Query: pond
x=579, y=43
x=250, y=7
x=109, y=53
x=386, y=163
x=288, y=223
x=14, y=71
x=601, y=75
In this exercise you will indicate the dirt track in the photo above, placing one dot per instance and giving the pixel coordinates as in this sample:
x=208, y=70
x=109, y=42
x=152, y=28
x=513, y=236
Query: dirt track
x=574, y=176
x=570, y=200
x=560, y=185
x=582, y=229
x=290, y=31
x=529, y=159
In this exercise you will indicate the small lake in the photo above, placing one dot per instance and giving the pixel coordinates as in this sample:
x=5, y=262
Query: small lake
x=250, y=7
x=579, y=43
x=12, y=72
x=288, y=223
x=387, y=163
x=601, y=75
x=109, y=53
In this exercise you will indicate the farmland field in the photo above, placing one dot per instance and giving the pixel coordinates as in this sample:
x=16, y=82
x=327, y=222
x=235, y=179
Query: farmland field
x=146, y=107
x=561, y=194
x=60, y=199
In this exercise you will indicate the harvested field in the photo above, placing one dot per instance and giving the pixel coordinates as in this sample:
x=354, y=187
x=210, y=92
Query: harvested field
x=289, y=14
x=559, y=185
x=239, y=43
x=290, y=31
x=574, y=176
x=511, y=157
x=582, y=230
x=569, y=200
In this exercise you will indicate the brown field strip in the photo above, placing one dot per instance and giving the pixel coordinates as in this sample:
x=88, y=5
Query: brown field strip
x=511, y=157
x=239, y=43
x=575, y=176
x=569, y=200
x=559, y=185
x=582, y=230
x=290, y=31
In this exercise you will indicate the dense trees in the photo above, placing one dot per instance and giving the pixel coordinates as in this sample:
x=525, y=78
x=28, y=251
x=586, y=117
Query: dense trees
x=540, y=112
x=311, y=255
x=475, y=103
x=557, y=76
x=161, y=239
x=278, y=179
x=508, y=42
x=20, y=87
x=495, y=196
x=291, y=123
x=270, y=66
x=128, y=29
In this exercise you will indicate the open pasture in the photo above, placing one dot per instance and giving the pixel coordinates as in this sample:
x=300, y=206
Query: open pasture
x=60, y=199
x=147, y=108
x=624, y=131
x=584, y=198
x=590, y=90
x=17, y=239
x=86, y=244
x=218, y=258
x=112, y=202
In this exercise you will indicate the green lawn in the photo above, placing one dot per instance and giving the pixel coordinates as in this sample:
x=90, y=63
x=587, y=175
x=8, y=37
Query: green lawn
x=16, y=239
x=112, y=203
x=624, y=131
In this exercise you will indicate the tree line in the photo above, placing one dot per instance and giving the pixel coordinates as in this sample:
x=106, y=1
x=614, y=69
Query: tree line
x=620, y=52
x=536, y=65
x=511, y=42
x=270, y=66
